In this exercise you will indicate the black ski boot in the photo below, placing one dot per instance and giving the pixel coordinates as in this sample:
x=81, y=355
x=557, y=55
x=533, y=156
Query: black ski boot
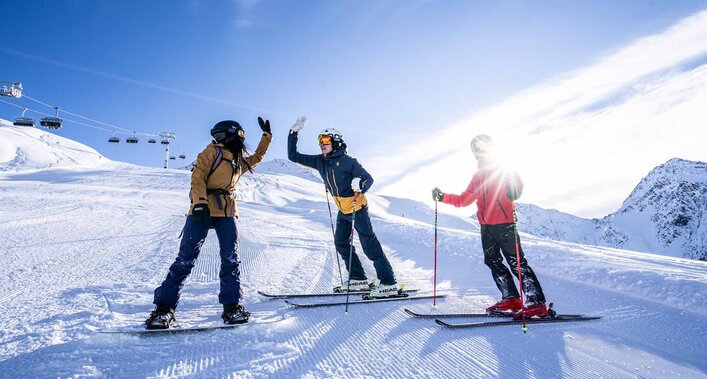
x=160, y=318
x=234, y=314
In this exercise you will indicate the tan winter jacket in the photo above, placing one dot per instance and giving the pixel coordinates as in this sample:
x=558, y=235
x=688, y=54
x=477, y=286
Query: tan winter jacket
x=223, y=180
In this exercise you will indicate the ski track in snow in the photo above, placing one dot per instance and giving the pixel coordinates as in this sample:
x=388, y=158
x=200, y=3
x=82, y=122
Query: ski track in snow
x=88, y=246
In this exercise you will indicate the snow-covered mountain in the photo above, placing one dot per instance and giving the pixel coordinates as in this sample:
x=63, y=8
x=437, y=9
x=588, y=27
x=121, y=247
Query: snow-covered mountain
x=83, y=248
x=23, y=148
x=666, y=213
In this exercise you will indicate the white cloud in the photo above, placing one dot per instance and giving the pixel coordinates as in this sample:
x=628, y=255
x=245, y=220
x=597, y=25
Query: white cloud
x=245, y=13
x=584, y=140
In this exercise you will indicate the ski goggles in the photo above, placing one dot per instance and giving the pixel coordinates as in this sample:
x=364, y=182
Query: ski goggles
x=223, y=135
x=325, y=139
x=478, y=146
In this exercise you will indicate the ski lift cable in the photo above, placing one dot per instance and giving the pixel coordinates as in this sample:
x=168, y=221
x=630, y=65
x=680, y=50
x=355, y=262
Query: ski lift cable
x=65, y=119
x=13, y=104
x=128, y=131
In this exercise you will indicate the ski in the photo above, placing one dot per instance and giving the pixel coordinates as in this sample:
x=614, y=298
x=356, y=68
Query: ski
x=181, y=329
x=451, y=315
x=301, y=295
x=471, y=315
x=385, y=299
x=546, y=320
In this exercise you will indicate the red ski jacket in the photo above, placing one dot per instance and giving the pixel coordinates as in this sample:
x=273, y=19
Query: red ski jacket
x=489, y=188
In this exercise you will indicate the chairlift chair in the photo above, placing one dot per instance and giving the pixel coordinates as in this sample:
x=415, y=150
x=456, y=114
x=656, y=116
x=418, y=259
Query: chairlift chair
x=172, y=157
x=114, y=139
x=182, y=156
x=151, y=140
x=52, y=122
x=24, y=121
x=131, y=140
x=14, y=90
x=165, y=142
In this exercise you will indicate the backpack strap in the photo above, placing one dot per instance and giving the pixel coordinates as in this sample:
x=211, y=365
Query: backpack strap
x=217, y=161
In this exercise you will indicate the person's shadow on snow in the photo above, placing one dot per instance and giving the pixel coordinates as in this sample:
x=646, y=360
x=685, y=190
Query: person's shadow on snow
x=538, y=353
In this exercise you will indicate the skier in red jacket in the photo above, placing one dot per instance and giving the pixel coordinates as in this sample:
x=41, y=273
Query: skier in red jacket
x=494, y=191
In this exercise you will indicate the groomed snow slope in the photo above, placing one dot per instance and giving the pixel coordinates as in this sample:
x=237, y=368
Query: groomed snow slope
x=83, y=248
x=23, y=148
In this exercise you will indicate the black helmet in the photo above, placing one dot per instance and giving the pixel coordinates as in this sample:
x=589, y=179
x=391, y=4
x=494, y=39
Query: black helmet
x=227, y=131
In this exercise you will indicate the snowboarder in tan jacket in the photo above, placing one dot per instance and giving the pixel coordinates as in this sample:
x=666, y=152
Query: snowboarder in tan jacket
x=213, y=182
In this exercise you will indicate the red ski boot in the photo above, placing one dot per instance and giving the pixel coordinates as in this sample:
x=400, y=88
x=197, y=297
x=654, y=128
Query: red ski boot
x=506, y=305
x=533, y=310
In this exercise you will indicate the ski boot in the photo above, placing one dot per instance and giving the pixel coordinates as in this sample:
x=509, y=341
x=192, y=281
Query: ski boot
x=234, y=314
x=160, y=318
x=384, y=290
x=513, y=304
x=355, y=286
x=533, y=310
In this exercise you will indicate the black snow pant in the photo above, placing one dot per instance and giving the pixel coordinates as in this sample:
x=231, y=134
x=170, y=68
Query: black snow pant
x=499, y=241
x=369, y=242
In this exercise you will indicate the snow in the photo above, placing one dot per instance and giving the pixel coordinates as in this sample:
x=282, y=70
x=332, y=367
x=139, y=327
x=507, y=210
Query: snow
x=84, y=244
x=23, y=148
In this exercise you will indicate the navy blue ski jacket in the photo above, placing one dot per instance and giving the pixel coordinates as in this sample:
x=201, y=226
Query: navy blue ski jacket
x=337, y=170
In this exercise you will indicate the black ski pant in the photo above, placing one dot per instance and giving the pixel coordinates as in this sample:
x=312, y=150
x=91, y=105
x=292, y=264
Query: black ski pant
x=369, y=242
x=499, y=241
x=167, y=294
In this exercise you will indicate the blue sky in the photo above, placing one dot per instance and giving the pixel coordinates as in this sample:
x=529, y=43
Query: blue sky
x=388, y=74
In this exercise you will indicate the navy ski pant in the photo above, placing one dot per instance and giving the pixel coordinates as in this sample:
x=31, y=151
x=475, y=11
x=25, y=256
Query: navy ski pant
x=499, y=241
x=369, y=242
x=195, y=233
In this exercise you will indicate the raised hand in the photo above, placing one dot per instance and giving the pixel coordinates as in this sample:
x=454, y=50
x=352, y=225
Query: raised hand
x=264, y=125
x=299, y=124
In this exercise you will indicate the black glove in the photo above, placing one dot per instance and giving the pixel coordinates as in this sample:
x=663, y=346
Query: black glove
x=264, y=125
x=512, y=192
x=200, y=213
x=437, y=194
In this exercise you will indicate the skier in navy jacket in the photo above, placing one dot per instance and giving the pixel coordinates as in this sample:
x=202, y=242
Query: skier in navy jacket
x=347, y=180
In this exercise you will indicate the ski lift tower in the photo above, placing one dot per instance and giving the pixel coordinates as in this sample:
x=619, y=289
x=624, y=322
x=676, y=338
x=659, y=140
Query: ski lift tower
x=166, y=137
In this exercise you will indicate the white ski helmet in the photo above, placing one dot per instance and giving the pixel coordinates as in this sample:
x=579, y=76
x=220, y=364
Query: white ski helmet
x=337, y=139
x=481, y=144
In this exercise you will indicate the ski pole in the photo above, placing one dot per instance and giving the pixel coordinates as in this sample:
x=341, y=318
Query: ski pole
x=336, y=254
x=351, y=240
x=520, y=278
x=434, y=297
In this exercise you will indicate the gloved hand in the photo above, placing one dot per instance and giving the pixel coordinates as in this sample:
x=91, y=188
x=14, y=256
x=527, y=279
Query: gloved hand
x=299, y=124
x=512, y=192
x=264, y=125
x=356, y=184
x=200, y=213
x=437, y=194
